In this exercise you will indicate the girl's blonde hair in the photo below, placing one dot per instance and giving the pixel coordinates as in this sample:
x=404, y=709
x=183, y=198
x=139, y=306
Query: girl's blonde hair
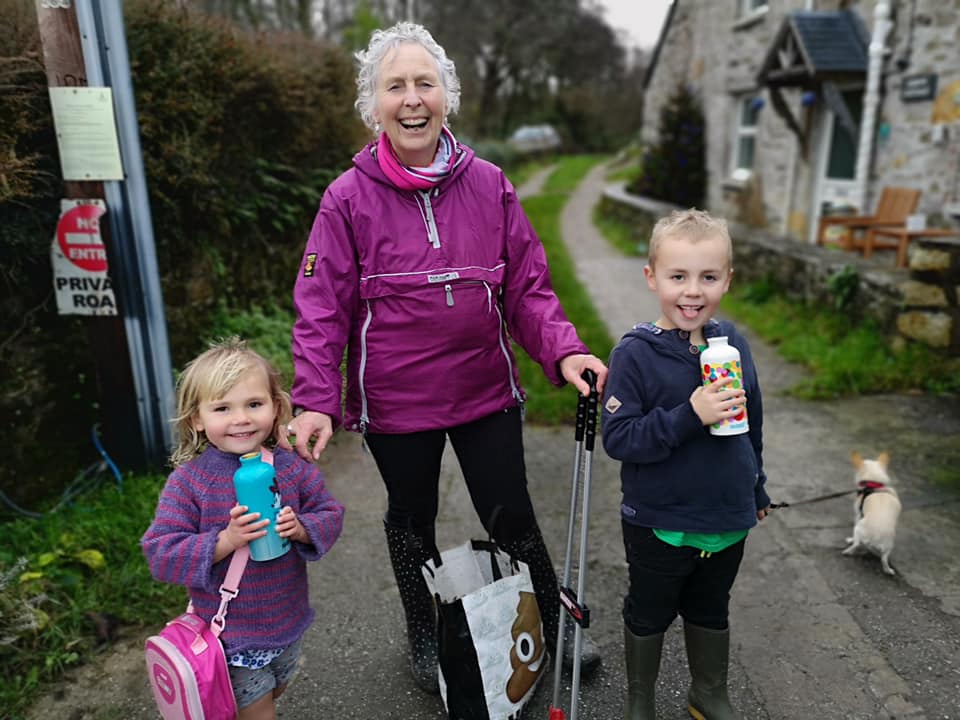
x=692, y=224
x=210, y=376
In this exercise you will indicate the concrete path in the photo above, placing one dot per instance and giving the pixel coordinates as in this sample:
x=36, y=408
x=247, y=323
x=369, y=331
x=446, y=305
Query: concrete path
x=816, y=636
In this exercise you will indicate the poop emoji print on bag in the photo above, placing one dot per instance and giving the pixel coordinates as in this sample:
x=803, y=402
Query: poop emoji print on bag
x=528, y=652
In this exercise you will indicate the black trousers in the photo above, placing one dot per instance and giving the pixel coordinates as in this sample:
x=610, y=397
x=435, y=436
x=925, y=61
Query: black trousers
x=666, y=581
x=490, y=453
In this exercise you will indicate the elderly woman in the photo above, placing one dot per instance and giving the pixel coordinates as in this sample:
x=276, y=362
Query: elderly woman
x=423, y=263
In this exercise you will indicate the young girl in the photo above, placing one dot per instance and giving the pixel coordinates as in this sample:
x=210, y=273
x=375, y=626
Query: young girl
x=229, y=403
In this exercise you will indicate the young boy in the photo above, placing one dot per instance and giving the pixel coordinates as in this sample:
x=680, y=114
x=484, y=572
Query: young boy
x=689, y=497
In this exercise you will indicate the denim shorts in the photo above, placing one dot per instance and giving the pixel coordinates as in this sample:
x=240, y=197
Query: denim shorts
x=251, y=685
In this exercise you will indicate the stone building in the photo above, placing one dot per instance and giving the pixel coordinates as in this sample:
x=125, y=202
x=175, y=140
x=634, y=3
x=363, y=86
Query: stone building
x=815, y=106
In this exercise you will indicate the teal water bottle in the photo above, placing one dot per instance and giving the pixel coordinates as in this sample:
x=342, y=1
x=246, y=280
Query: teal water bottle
x=256, y=484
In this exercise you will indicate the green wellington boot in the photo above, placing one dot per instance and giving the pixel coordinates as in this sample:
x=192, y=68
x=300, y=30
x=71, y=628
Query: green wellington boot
x=643, y=666
x=708, y=654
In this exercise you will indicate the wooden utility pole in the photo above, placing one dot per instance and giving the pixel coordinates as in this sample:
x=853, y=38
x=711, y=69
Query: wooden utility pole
x=65, y=67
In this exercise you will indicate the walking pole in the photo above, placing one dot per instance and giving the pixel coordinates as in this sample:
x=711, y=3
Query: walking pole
x=585, y=433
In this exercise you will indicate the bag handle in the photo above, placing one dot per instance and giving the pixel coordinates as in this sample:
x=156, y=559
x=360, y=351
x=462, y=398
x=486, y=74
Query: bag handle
x=491, y=546
x=231, y=582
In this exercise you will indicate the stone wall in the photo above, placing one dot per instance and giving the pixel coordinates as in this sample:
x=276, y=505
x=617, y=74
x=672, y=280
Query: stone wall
x=919, y=304
x=930, y=311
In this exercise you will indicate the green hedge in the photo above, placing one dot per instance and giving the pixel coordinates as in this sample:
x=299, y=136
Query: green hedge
x=240, y=137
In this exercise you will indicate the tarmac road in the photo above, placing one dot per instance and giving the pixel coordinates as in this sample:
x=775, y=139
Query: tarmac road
x=815, y=635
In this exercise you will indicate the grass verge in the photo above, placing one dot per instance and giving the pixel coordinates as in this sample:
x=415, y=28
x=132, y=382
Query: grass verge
x=844, y=357
x=547, y=404
x=70, y=579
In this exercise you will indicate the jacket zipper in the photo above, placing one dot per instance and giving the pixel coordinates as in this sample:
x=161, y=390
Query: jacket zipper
x=514, y=390
x=364, y=419
x=448, y=289
x=433, y=237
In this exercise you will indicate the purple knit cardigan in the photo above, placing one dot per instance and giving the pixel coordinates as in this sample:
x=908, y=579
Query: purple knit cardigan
x=272, y=609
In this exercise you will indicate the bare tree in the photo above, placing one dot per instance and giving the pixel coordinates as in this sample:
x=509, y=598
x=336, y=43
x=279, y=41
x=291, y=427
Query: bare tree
x=293, y=15
x=521, y=62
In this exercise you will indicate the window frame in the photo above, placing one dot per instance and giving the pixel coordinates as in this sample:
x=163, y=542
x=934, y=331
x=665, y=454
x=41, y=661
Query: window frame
x=743, y=103
x=753, y=7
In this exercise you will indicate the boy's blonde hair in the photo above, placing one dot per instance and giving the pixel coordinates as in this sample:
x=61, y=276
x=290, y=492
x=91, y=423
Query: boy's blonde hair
x=210, y=376
x=692, y=224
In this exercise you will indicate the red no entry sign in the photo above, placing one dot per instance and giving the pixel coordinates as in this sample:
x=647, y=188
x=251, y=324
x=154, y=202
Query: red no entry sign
x=78, y=233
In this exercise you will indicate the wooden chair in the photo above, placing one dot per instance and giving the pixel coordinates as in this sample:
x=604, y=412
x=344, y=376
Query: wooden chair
x=895, y=205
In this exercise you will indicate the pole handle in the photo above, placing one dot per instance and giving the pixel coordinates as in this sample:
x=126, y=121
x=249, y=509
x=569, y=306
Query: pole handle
x=590, y=408
x=581, y=423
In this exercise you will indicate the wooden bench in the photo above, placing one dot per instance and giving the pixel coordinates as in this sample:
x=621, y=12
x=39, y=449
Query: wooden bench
x=901, y=238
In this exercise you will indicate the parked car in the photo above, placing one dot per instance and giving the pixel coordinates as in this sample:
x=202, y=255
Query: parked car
x=534, y=138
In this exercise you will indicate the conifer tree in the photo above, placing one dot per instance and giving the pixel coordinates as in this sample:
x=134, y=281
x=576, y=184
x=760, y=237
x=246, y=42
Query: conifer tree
x=674, y=170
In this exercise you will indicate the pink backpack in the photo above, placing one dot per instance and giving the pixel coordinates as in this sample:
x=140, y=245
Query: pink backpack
x=186, y=664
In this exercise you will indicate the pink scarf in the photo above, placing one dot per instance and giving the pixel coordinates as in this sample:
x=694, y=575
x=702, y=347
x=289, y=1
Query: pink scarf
x=417, y=178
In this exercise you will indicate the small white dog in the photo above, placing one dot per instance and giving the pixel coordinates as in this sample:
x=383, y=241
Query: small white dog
x=876, y=510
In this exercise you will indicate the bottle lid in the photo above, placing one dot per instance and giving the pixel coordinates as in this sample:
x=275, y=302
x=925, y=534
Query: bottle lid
x=718, y=338
x=250, y=455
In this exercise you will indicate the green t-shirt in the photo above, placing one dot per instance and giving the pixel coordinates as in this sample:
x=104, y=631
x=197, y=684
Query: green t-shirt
x=708, y=542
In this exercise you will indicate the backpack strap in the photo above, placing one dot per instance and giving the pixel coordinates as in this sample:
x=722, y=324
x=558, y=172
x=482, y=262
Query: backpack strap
x=231, y=583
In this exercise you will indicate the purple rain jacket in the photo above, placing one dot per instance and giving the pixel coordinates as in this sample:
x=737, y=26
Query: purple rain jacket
x=426, y=288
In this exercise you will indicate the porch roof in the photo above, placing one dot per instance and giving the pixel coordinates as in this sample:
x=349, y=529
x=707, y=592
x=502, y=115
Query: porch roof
x=816, y=46
x=816, y=50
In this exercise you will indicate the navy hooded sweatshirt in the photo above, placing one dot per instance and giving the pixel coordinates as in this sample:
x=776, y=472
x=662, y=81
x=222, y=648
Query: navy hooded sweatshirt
x=675, y=475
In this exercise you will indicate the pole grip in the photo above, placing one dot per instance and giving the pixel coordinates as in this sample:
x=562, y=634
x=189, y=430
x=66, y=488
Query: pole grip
x=591, y=403
x=581, y=416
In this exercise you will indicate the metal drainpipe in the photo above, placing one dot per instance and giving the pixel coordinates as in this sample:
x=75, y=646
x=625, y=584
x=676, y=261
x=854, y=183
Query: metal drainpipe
x=871, y=99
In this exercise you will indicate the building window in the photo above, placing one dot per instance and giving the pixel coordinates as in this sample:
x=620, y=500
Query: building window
x=749, y=7
x=745, y=138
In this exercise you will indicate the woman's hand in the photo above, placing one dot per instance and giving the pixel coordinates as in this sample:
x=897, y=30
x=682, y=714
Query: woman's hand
x=304, y=427
x=715, y=402
x=572, y=367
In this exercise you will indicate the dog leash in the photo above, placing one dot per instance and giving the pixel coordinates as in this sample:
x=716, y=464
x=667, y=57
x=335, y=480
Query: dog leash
x=776, y=506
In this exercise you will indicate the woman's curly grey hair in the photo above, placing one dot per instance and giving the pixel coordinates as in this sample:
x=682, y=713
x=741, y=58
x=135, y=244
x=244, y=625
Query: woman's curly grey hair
x=382, y=42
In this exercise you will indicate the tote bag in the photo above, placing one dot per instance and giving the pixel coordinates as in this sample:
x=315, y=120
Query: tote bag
x=490, y=637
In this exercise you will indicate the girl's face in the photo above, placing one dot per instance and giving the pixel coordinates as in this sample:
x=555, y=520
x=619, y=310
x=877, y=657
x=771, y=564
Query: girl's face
x=241, y=420
x=410, y=103
x=690, y=279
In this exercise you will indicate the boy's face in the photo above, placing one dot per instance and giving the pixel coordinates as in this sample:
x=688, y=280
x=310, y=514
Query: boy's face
x=690, y=279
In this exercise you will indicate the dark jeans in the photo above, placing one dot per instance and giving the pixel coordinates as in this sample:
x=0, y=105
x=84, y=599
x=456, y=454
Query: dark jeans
x=667, y=580
x=490, y=453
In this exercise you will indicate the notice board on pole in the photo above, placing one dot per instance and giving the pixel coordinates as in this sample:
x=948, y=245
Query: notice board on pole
x=86, y=133
x=79, y=259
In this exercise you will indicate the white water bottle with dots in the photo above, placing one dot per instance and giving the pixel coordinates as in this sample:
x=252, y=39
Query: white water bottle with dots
x=720, y=360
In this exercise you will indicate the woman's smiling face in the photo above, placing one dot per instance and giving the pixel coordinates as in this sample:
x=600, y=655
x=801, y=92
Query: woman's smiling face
x=411, y=103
